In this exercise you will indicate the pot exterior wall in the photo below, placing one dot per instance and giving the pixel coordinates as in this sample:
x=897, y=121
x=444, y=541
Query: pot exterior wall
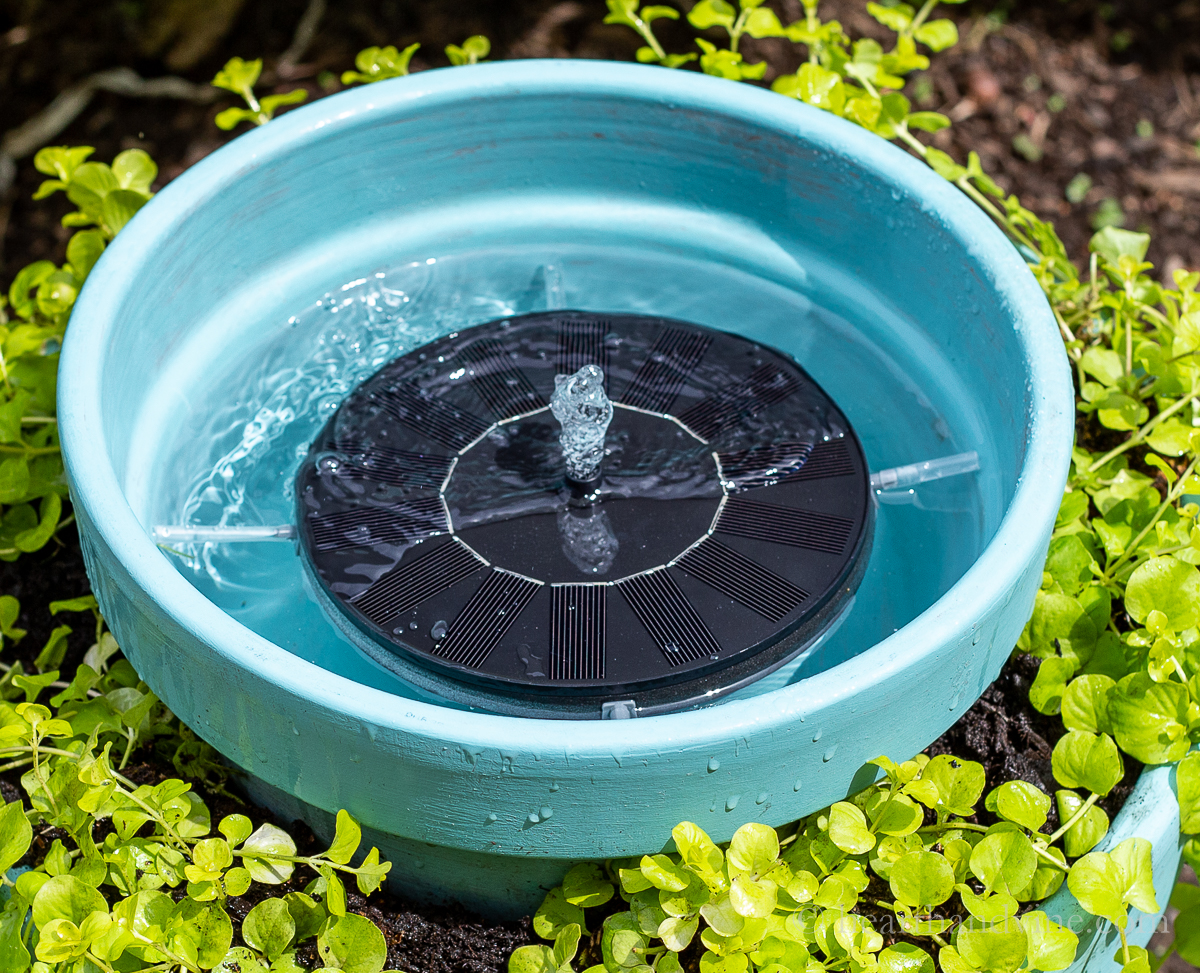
x=1151, y=812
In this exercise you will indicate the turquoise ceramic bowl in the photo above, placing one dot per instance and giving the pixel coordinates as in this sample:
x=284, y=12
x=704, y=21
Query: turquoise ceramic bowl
x=487, y=808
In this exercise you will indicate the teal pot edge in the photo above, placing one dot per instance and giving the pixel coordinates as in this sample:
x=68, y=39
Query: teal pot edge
x=774, y=764
x=1150, y=812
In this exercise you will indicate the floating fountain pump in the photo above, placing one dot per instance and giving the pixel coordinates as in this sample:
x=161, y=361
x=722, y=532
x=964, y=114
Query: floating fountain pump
x=572, y=515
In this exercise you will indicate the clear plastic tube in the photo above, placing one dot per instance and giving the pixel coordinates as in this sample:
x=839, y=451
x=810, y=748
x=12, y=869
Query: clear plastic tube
x=219, y=535
x=903, y=477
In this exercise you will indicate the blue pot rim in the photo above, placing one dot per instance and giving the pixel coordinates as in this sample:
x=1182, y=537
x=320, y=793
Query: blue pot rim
x=990, y=580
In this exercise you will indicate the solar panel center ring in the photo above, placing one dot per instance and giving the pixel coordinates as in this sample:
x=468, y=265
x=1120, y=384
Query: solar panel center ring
x=507, y=498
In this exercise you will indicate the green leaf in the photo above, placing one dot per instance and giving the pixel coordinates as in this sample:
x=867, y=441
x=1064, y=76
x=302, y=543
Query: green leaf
x=35, y=538
x=531, y=959
x=353, y=944
x=1085, y=833
x=922, y=878
x=272, y=102
x=238, y=76
x=1004, y=861
x=566, y=945
x=135, y=170
x=240, y=960
x=83, y=250
x=753, y=899
x=1020, y=802
x=14, y=479
x=712, y=13
x=1133, y=855
x=16, y=835
x=1089, y=760
x=1050, y=683
x=896, y=17
x=307, y=914
x=937, y=35
x=1168, y=585
x=1061, y=624
x=1113, y=243
x=25, y=284
x=989, y=907
x=236, y=828
x=677, y=932
x=119, y=207
x=699, y=853
x=905, y=958
x=586, y=886
x=660, y=871
x=269, y=928
x=928, y=121
x=814, y=85
x=379, y=64
x=554, y=914
x=66, y=897
x=346, y=839
x=753, y=849
x=1085, y=703
x=256, y=851
x=848, y=829
x=1150, y=719
x=999, y=948
x=474, y=49
x=1050, y=946
x=1098, y=883
x=1187, y=778
x=1187, y=934
x=959, y=783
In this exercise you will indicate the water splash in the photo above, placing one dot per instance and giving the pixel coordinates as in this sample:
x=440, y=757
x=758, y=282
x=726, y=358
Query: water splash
x=581, y=405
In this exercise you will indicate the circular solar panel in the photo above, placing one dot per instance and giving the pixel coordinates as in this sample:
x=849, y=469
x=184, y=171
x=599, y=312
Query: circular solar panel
x=729, y=526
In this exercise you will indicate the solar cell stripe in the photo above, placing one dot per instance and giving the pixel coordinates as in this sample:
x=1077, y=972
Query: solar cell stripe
x=397, y=467
x=577, y=631
x=742, y=580
x=407, y=585
x=363, y=526
x=669, y=617
x=439, y=420
x=582, y=343
x=660, y=377
x=483, y=621
x=765, y=386
x=783, y=525
x=504, y=389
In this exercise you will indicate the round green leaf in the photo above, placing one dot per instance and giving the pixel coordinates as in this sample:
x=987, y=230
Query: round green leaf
x=999, y=948
x=266, y=841
x=1004, y=861
x=848, y=829
x=1169, y=585
x=1020, y=802
x=555, y=913
x=1187, y=935
x=531, y=959
x=353, y=944
x=1085, y=704
x=1085, y=833
x=66, y=897
x=959, y=783
x=1097, y=882
x=905, y=958
x=922, y=878
x=1150, y=719
x=1050, y=946
x=1187, y=778
x=1089, y=760
x=754, y=848
x=269, y=928
x=16, y=834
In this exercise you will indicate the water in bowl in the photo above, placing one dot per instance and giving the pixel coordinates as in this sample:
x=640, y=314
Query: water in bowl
x=235, y=454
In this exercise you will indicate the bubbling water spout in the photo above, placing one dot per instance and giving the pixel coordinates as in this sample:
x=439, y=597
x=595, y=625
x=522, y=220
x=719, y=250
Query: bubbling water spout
x=581, y=405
